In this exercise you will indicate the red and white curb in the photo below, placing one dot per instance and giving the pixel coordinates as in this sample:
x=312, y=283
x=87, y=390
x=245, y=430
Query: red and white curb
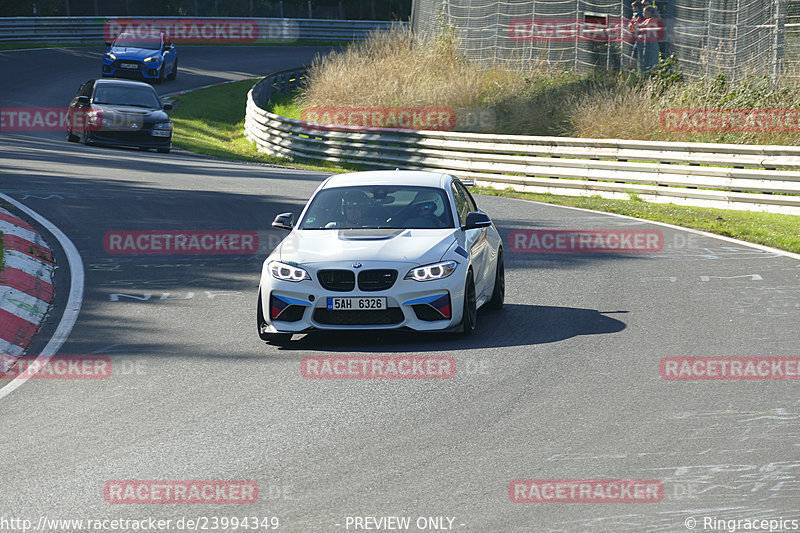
x=26, y=284
x=26, y=287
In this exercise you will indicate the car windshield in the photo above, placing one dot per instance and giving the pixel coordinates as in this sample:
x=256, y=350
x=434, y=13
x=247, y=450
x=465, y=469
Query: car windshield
x=133, y=96
x=131, y=41
x=374, y=207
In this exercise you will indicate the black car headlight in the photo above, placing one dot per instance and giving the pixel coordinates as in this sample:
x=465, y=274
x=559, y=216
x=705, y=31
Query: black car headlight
x=163, y=126
x=286, y=272
x=432, y=272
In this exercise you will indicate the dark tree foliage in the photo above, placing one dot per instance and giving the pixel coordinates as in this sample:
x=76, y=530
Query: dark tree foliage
x=329, y=9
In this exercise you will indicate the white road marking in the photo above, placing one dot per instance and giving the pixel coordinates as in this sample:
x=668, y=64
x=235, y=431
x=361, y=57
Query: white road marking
x=74, y=299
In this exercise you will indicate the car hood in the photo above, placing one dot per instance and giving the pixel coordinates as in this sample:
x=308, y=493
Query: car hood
x=133, y=112
x=417, y=246
x=138, y=54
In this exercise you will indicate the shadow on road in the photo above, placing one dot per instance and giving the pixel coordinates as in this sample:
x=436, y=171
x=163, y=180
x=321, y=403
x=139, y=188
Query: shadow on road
x=515, y=325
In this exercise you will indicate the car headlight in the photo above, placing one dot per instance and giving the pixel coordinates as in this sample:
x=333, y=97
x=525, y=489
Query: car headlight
x=432, y=271
x=111, y=56
x=285, y=272
x=94, y=118
x=163, y=126
x=151, y=59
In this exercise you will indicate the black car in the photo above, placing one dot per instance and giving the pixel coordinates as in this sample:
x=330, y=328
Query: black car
x=120, y=113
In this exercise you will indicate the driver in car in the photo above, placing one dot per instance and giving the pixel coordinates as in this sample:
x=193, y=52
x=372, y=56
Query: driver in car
x=424, y=212
x=354, y=205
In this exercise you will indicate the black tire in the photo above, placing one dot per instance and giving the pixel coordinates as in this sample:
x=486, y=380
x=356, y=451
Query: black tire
x=86, y=139
x=469, y=317
x=163, y=150
x=174, y=73
x=272, y=338
x=499, y=291
x=71, y=137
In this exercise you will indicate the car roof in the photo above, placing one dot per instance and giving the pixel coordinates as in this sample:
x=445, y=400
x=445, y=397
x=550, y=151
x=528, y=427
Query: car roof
x=123, y=83
x=417, y=178
x=133, y=35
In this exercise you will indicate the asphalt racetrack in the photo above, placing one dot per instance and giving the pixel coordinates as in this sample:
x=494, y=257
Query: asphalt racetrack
x=563, y=384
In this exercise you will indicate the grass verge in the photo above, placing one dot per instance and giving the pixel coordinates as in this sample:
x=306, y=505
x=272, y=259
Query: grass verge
x=769, y=229
x=211, y=121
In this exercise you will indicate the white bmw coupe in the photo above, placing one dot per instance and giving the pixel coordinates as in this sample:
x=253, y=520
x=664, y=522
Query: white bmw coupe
x=382, y=250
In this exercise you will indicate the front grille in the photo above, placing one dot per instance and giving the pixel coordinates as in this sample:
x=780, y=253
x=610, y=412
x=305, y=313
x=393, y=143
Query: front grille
x=376, y=280
x=337, y=280
x=125, y=136
x=116, y=64
x=392, y=315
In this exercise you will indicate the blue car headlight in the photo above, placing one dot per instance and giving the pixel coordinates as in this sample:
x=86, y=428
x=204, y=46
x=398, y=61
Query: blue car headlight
x=151, y=59
x=163, y=126
x=286, y=272
x=432, y=272
x=111, y=56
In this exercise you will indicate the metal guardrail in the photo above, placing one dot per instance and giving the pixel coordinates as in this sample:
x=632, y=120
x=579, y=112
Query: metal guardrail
x=90, y=29
x=728, y=176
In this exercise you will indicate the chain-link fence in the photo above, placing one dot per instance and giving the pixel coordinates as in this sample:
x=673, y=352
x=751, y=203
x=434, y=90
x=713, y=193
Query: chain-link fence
x=731, y=37
x=792, y=40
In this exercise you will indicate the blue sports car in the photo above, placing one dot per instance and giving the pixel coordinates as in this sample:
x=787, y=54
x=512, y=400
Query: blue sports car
x=148, y=59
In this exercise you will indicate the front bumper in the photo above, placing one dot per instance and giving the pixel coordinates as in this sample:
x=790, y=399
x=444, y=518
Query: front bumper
x=139, y=139
x=143, y=71
x=294, y=307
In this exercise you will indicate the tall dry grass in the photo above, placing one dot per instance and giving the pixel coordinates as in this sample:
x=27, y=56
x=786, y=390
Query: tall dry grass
x=397, y=68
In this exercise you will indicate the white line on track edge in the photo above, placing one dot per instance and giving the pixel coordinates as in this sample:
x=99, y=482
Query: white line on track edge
x=74, y=300
x=761, y=247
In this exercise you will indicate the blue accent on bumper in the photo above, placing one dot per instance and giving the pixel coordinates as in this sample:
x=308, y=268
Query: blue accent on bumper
x=292, y=301
x=425, y=299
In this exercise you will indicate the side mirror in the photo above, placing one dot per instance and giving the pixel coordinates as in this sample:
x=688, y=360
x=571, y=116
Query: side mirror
x=477, y=219
x=83, y=100
x=108, y=43
x=165, y=48
x=284, y=221
x=167, y=106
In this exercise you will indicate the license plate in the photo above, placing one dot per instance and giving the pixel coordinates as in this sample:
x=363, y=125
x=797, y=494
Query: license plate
x=356, y=304
x=161, y=133
x=129, y=65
